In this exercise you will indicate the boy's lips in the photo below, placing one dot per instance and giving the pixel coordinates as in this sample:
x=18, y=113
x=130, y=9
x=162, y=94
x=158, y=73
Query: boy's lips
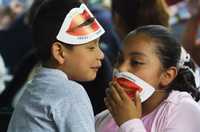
x=96, y=67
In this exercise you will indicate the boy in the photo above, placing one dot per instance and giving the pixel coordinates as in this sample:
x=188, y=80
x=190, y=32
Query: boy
x=66, y=36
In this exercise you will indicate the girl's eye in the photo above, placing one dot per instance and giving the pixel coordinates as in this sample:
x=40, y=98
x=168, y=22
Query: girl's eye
x=135, y=63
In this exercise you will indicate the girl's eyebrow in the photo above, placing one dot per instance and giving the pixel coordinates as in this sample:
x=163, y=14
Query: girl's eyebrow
x=136, y=54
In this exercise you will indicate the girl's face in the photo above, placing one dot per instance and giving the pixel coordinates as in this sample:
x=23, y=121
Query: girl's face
x=139, y=57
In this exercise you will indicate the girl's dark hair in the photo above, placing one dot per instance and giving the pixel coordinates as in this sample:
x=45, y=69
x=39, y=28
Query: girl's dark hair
x=137, y=13
x=169, y=51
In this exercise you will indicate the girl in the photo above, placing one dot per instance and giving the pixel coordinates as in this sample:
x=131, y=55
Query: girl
x=154, y=55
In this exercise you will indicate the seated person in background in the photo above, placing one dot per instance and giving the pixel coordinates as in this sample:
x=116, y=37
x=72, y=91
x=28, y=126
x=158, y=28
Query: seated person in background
x=190, y=36
x=131, y=14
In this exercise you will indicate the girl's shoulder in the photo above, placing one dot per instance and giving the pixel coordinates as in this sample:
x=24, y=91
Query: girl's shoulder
x=183, y=112
x=178, y=97
x=181, y=102
x=178, y=109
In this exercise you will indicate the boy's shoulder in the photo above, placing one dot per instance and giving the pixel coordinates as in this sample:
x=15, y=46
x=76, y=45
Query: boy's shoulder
x=53, y=78
x=52, y=86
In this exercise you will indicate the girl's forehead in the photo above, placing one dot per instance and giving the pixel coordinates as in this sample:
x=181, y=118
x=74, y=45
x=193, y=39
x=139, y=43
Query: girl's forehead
x=140, y=43
x=138, y=40
x=138, y=37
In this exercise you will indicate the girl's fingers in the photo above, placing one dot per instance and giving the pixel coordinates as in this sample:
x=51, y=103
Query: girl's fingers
x=112, y=92
x=122, y=94
x=108, y=105
x=110, y=100
x=138, y=103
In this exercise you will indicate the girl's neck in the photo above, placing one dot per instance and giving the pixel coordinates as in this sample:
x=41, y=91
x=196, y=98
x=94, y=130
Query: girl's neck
x=153, y=102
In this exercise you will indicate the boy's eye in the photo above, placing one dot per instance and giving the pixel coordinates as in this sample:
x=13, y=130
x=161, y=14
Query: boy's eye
x=91, y=48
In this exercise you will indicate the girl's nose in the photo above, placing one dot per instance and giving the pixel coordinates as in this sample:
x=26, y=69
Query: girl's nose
x=123, y=67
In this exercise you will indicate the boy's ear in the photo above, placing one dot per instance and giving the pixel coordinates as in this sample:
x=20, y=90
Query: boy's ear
x=58, y=52
x=168, y=76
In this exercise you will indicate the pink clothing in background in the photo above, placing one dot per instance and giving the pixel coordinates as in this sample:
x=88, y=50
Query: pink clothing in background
x=178, y=113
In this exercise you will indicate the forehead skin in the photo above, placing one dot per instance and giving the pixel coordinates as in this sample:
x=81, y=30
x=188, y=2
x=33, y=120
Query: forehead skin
x=140, y=43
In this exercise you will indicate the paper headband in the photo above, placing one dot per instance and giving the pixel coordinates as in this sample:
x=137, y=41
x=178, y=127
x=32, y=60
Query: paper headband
x=79, y=27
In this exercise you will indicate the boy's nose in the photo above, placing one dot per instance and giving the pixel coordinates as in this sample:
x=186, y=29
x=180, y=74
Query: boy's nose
x=100, y=54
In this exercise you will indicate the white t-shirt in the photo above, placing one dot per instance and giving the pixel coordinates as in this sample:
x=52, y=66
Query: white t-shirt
x=3, y=75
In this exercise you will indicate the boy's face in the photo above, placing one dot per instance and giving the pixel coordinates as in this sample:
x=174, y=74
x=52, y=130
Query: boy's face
x=83, y=61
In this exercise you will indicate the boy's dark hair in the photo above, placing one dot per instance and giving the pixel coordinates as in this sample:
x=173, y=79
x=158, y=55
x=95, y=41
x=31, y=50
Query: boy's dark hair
x=47, y=23
x=169, y=51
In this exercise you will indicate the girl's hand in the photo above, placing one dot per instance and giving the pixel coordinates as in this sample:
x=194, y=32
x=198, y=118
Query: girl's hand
x=120, y=105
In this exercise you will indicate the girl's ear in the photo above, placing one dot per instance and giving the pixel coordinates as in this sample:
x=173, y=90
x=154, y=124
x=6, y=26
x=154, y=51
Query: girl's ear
x=168, y=76
x=57, y=50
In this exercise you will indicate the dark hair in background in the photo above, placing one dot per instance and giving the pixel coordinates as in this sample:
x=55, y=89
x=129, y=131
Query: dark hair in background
x=24, y=66
x=20, y=76
x=47, y=23
x=169, y=50
x=137, y=13
x=30, y=15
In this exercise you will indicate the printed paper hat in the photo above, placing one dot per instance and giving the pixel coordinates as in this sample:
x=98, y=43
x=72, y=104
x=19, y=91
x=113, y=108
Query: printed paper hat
x=133, y=82
x=79, y=27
